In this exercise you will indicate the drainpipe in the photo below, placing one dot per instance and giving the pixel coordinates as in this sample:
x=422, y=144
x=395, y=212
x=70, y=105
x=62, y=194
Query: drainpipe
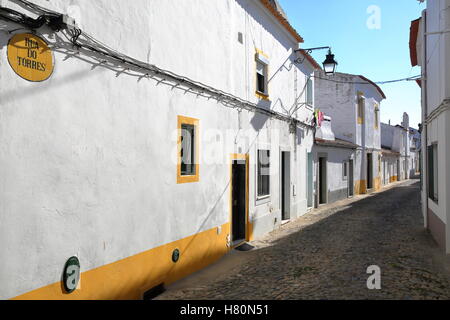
x=424, y=117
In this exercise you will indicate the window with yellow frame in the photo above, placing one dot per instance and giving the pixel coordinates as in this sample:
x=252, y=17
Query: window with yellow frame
x=361, y=107
x=377, y=116
x=261, y=75
x=188, y=150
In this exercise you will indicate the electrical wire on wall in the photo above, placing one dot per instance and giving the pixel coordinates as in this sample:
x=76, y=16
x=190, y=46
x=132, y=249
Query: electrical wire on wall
x=84, y=43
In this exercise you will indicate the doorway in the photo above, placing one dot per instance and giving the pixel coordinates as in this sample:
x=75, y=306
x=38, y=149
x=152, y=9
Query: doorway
x=369, y=171
x=351, y=177
x=310, y=178
x=285, y=186
x=239, y=201
x=406, y=168
x=322, y=181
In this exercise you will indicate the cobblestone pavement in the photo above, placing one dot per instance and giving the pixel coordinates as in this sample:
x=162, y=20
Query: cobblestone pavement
x=325, y=255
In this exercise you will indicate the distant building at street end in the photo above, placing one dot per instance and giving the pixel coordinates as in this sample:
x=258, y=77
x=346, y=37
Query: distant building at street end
x=354, y=104
x=334, y=165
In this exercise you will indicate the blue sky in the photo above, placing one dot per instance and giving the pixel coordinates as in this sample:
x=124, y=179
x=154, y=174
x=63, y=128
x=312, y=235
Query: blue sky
x=380, y=53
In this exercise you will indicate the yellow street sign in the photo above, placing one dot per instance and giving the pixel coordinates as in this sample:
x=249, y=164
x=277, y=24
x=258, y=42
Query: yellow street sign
x=30, y=57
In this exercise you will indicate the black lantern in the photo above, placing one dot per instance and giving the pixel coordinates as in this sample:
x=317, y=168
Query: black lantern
x=329, y=65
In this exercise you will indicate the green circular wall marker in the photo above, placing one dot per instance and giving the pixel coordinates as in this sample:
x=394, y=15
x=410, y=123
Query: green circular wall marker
x=71, y=275
x=176, y=255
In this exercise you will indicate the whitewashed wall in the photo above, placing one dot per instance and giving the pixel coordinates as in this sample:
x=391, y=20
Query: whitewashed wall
x=337, y=184
x=438, y=50
x=338, y=98
x=87, y=158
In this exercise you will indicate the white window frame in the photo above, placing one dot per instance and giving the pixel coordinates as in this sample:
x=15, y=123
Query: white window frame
x=345, y=167
x=263, y=61
x=258, y=196
x=435, y=174
x=309, y=80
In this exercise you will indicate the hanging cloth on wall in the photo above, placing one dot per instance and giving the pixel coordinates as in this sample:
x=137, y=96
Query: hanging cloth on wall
x=319, y=117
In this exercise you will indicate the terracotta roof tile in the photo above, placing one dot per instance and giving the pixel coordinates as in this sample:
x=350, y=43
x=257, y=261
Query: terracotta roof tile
x=274, y=7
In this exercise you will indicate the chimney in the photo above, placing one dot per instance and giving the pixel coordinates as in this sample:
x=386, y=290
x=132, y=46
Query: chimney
x=325, y=132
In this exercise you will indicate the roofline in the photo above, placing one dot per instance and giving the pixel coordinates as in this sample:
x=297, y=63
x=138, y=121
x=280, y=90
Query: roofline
x=390, y=152
x=364, y=79
x=335, y=144
x=310, y=58
x=284, y=22
x=375, y=85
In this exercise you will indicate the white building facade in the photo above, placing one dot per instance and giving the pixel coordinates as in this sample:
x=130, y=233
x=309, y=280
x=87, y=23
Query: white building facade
x=354, y=104
x=430, y=49
x=415, y=143
x=334, y=165
x=398, y=140
x=151, y=168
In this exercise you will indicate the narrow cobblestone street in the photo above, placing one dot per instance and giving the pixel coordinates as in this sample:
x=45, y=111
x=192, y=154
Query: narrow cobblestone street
x=325, y=255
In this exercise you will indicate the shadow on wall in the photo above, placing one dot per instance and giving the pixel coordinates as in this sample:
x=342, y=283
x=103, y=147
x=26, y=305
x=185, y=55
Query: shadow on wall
x=258, y=121
x=62, y=44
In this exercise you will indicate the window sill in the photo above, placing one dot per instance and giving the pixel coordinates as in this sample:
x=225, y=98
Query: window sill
x=262, y=96
x=262, y=200
x=435, y=201
x=188, y=179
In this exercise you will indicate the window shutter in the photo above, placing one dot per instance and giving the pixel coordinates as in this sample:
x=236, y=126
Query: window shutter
x=430, y=172
x=309, y=92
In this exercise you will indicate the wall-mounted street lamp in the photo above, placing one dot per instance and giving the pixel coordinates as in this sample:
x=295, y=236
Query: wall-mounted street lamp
x=329, y=65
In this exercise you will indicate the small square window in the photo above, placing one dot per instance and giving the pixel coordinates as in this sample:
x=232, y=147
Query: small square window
x=240, y=38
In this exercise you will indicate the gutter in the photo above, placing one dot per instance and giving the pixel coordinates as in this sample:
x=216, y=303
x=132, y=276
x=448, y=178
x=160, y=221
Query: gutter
x=424, y=117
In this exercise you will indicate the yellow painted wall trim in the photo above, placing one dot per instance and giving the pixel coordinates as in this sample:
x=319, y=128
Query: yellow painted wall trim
x=262, y=53
x=360, y=187
x=129, y=278
x=377, y=183
x=194, y=178
x=262, y=96
x=393, y=179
